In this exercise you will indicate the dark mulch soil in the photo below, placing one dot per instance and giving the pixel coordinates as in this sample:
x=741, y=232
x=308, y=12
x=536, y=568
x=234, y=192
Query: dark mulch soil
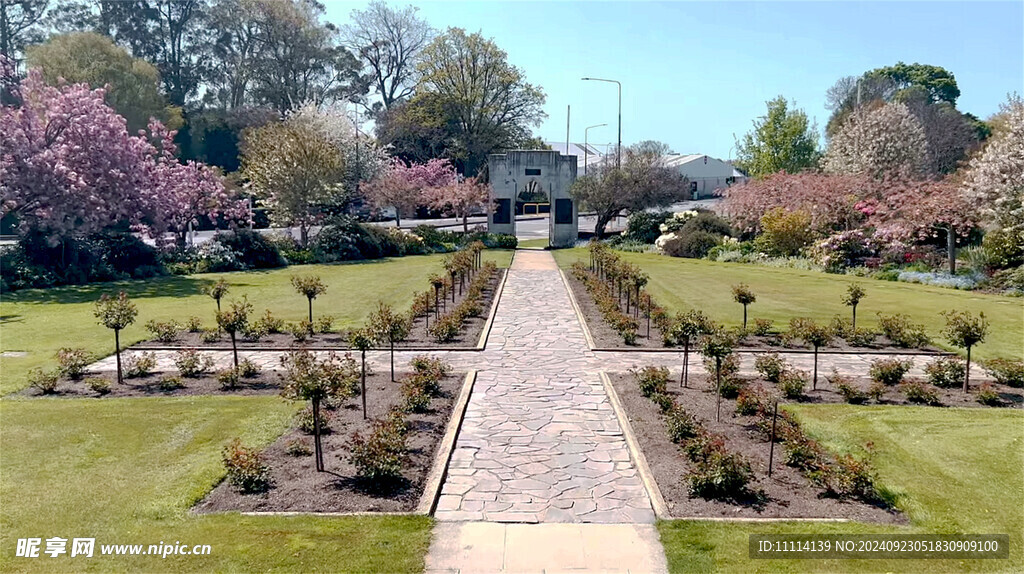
x=789, y=494
x=606, y=338
x=265, y=383
x=418, y=337
x=297, y=487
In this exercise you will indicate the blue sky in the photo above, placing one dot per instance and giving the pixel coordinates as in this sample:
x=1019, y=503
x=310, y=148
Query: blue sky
x=695, y=73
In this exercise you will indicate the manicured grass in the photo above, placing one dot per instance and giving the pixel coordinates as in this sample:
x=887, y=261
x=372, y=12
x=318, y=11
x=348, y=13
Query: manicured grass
x=126, y=471
x=534, y=243
x=952, y=470
x=41, y=321
x=782, y=294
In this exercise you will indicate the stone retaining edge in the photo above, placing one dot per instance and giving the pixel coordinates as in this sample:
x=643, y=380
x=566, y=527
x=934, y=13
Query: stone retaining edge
x=482, y=343
x=439, y=470
x=579, y=312
x=657, y=500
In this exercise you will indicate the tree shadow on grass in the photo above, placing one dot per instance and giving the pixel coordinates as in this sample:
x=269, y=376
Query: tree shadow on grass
x=172, y=286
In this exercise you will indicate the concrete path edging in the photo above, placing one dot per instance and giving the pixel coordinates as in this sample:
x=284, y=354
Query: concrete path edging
x=481, y=344
x=579, y=312
x=643, y=468
x=439, y=468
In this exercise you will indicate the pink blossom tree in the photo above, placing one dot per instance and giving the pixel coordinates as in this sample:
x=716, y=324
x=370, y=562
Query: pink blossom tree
x=402, y=186
x=830, y=199
x=922, y=209
x=459, y=198
x=184, y=192
x=68, y=166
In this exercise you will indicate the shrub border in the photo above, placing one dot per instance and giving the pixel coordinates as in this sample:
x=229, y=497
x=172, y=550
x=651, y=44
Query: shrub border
x=435, y=479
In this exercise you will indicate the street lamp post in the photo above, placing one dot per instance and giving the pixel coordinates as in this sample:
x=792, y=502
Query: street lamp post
x=618, y=149
x=586, y=147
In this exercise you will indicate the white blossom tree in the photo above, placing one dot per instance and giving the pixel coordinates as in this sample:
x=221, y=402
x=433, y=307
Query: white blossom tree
x=883, y=143
x=995, y=177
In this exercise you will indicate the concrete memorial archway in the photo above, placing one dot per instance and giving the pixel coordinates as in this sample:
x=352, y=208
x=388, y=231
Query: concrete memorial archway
x=520, y=172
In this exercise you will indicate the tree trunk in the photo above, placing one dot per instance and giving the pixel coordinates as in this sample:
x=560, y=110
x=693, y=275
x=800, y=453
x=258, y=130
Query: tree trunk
x=398, y=218
x=437, y=304
x=310, y=315
x=967, y=370
x=951, y=249
x=744, y=317
x=117, y=351
x=814, y=381
x=465, y=222
x=602, y=222
x=684, y=376
x=854, y=324
x=718, y=389
x=390, y=340
x=304, y=234
x=234, y=349
x=316, y=436
x=363, y=379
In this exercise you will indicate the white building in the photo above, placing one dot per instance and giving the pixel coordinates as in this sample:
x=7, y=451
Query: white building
x=588, y=155
x=706, y=174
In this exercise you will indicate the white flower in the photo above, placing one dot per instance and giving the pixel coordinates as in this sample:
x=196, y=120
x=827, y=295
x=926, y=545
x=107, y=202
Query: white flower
x=663, y=227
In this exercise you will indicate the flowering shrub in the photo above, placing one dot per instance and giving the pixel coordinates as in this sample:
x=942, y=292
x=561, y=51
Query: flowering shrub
x=792, y=383
x=889, y=371
x=965, y=282
x=898, y=329
x=191, y=363
x=139, y=365
x=163, y=331
x=918, y=392
x=1009, y=372
x=677, y=221
x=680, y=425
x=73, y=362
x=651, y=380
x=99, y=385
x=841, y=250
x=245, y=467
x=378, y=458
x=43, y=381
x=988, y=396
x=771, y=366
x=946, y=372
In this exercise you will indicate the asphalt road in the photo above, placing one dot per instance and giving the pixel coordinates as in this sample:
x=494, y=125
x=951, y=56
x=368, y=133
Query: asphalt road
x=527, y=226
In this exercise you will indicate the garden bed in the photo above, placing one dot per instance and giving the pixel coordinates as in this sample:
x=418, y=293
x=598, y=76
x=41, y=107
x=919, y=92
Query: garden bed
x=297, y=487
x=788, y=494
x=151, y=385
x=605, y=337
x=418, y=338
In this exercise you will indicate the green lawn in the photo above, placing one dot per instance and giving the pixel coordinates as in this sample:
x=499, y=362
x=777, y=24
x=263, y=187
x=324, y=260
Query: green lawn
x=533, y=243
x=126, y=471
x=41, y=321
x=782, y=294
x=953, y=470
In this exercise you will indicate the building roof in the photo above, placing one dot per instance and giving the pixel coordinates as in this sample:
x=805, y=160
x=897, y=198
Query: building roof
x=679, y=160
x=589, y=154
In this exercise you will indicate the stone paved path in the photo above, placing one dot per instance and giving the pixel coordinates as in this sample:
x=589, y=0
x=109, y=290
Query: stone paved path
x=540, y=441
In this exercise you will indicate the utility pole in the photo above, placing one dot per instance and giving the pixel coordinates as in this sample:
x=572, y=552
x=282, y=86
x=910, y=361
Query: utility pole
x=586, y=146
x=618, y=149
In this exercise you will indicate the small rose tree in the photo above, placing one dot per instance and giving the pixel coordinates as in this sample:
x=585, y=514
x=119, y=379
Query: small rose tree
x=817, y=336
x=718, y=344
x=744, y=296
x=311, y=287
x=854, y=293
x=687, y=327
x=217, y=291
x=965, y=330
x=116, y=313
x=316, y=381
x=362, y=340
x=387, y=325
x=234, y=321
